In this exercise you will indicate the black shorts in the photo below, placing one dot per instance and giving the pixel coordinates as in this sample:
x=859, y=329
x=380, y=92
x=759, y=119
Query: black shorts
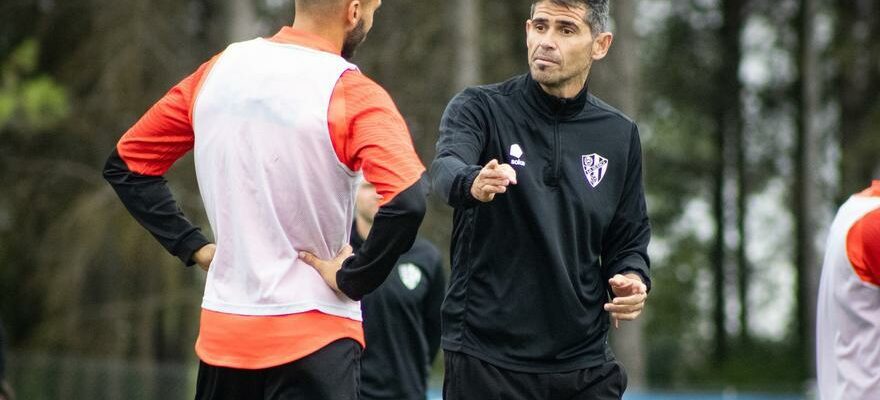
x=333, y=372
x=469, y=378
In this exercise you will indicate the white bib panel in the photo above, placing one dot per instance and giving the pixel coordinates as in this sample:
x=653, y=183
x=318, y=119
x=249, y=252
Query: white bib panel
x=270, y=179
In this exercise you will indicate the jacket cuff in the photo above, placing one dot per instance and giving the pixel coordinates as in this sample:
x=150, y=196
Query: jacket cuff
x=189, y=245
x=467, y=199
x=645, y=278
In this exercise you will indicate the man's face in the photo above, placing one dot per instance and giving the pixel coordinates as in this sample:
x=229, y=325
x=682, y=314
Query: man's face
x=367, y=201
x=358, y=34
x=561, y=45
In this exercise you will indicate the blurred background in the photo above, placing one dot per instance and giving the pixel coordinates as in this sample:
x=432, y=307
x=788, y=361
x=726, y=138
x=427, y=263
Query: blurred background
x=757, y=118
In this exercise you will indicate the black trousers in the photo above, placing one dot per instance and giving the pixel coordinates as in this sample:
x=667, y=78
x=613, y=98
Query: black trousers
x=469, y=378
x=332, y=372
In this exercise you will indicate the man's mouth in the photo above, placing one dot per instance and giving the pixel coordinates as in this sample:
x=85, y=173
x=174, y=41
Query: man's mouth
x=545, y=61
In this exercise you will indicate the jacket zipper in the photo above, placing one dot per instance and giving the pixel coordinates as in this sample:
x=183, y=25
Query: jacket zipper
x=556, y=152
x=557, y=146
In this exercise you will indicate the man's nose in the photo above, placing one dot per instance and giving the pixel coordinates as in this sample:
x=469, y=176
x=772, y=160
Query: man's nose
x=547, y=44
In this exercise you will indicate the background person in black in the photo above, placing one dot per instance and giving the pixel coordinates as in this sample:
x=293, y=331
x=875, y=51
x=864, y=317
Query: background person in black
x=550, y=221
x=402, y=317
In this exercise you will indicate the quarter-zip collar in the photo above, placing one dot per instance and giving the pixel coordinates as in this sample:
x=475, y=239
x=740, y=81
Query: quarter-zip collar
x=553, y=106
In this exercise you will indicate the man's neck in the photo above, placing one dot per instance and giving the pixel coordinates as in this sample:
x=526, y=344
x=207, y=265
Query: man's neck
x=333, y=34
x=568, y=89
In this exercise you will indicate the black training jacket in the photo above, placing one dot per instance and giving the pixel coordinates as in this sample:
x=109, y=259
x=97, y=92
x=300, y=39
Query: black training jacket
x=530, y=269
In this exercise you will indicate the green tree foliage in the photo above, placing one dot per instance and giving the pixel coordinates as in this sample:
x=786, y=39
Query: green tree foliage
x=691, y=100
x=30, y=102
x=80, y=276
x=856, y=86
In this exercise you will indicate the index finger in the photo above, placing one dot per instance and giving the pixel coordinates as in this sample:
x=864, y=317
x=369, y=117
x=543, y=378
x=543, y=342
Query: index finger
x=630, y=300
x=620, y=281
x=508, y=172
x=494, y=174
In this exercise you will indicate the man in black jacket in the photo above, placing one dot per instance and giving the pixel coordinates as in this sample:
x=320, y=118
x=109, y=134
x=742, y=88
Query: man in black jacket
x=401, y=317
x=550, y=229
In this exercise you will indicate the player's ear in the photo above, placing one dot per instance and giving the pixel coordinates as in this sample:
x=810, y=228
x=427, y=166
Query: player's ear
x=601, y=45
x=353, y=13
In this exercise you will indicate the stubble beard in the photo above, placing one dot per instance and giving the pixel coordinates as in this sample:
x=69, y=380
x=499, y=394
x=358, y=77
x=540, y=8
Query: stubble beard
x=560, y=79
x=353, y=39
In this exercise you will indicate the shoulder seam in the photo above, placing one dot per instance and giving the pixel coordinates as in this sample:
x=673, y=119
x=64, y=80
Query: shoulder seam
x=595, y=102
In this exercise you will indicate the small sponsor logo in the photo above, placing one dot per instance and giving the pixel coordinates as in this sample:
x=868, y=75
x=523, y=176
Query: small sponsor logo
x=410, y=275
x=516, y=154
x=516, y=151
x=595, y=167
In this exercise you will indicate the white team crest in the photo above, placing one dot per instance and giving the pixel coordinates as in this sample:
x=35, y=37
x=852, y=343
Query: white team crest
x=410, y=275
x=595, y=167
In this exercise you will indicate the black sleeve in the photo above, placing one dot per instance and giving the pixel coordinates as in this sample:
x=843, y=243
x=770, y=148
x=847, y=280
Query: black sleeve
x=150, y=201
x=433, y=301
x=625, y=247
x=461, y=141
x=394, y=230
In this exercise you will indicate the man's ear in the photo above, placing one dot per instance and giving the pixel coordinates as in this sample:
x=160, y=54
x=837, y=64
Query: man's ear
x=601, y=45
x=353, y=12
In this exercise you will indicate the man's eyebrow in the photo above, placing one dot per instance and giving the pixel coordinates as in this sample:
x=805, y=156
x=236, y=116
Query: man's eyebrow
x=568, y=24
x=565, y=23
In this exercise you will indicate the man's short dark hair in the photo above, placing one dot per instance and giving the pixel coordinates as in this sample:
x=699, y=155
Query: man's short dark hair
x=597, y=11
x=316, y=5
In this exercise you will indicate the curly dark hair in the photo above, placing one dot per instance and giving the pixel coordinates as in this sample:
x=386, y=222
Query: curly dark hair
x=597, y=11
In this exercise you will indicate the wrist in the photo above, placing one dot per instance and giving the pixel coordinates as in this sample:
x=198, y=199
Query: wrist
x=205, y=254
x=470, y=181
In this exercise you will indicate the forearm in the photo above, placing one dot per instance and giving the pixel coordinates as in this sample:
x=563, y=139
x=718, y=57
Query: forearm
x=394, y=230
x=150, y=202
x=461, y=141
x=452, y=179
x=626, y=244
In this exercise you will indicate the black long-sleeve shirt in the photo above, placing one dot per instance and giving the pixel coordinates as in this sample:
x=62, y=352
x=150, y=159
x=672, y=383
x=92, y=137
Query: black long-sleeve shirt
x=530, y=269
x=402, y=325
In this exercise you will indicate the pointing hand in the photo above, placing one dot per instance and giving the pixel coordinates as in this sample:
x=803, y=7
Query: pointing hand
x=493, y=179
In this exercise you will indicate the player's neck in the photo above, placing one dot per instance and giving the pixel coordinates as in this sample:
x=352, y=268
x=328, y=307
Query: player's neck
x=335, y=35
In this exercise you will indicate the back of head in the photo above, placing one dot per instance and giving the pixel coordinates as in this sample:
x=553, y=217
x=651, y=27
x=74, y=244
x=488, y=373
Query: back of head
x=318, y=7
x=597, y=11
